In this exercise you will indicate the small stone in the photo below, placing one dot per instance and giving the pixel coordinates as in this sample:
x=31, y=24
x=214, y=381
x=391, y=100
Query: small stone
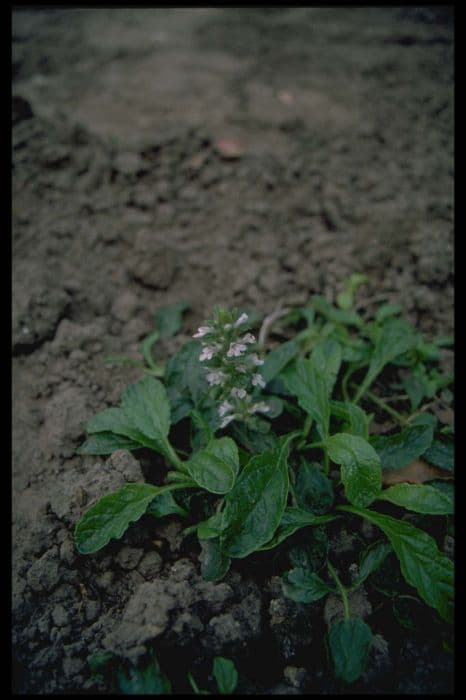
x=60, y=616
x=129, y=557
x=150, y=565
x=68, y=552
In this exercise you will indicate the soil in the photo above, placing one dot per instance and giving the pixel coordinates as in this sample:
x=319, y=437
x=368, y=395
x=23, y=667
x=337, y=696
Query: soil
x=245, y=157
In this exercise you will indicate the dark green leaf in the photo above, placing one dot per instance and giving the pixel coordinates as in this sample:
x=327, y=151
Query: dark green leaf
x=146, y=409
x=424, y=419
x=314, y=490
x=215, y=468
x=225, y=674
x=146, y=348
x=165, y=504
x=421, y=498
x=254, y=507
x=387, y=310
x=311, y=389
x=303, y=586
x=294, y=519
x=322, y=306
x=349, y=642
x=360, y=467
x=356, y=420
x=398, y=450
x=169, y=319
x=253, y=440
x=147, y=681
x=214, y=562
x=278, y=358
x=105, y=443
x=422, y=564
x=441, y=454
x=111, y=516
x=185, y=379
x=371, y=559
x=211, y=527
x=396, y=337
x=326, y=359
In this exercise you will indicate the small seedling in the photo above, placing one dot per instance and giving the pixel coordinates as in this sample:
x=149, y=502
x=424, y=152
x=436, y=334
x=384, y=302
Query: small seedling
x=282, y=441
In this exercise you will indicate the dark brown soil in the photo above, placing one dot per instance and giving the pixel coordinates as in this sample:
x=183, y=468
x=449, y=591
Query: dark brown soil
x=125, y=201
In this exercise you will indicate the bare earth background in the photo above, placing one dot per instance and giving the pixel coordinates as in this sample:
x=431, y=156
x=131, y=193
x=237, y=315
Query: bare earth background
x=124, y=200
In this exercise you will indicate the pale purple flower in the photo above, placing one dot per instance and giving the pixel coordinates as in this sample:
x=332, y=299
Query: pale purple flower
x=239, y=393
x=207, y=353
x=227, y=420
x=258, y=380
x=256, y=359
x=248, y=338
x=242, y=319
x=260, y=407
x=202, y=331
x=224, y=408
x=236, y=349
x=215, y=378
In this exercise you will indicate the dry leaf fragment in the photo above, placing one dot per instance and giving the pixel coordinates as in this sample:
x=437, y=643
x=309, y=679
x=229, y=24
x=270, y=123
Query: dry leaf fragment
x=415, y=473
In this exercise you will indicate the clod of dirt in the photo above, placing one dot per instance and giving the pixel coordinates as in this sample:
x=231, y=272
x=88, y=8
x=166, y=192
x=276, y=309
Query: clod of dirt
x=295, y=676
x=44, y=574
x=21, y=109
x=379, y=660
x=36, y=313
x=65, y=418
x=150, y=565
x=129, y=557
x=358, y=603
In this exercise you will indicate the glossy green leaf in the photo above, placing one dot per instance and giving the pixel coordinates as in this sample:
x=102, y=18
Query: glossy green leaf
x=422, y=564
x=356, y=420
x=398, y=450
x=146, y=681
x=311, y=389
x=211, y=527
x=348, y=317
x=396, y=337
x=146, y=408
x=164, y=504
x=111, y=516
x=214, y=562
x=185, y=379
x=225, y=674
x=441, y=454
x=360, y=467
x=326, y=358
x=105, y=443
x=278, y=358
x=304, y=586
x=254, y=507
x=295, y=519
x=169, y=319
x=371, y=559
x=215, y=467
x=349, y=642
x=421, y=498
x=314, y=490
x=386, y=310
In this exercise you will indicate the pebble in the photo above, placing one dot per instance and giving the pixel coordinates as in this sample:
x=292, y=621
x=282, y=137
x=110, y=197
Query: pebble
x=60, y=616
x=150, y=565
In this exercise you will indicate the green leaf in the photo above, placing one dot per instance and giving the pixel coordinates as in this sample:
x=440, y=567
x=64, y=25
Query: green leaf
x=211, y=527
x=254, y=507
x=253, y=440
x=147, y=681
x=146, y=349
x=371, y=559
x=421, y=498
x=278, y=358
x=398, y=450
x=348, y=317
x=146, y=408
x=304, y=586
x=314, y=490
x=357, y=420
x=441, y=454
x=185, y=379
x=326, y=359
x=225, y=674
x=395, y=338
x=424, y=419
x=111, y=516
x=295, y=519
x=105, y=443
x=387, y=310
x=360, y=467
x=214, y=562
x=349, y=643
x=165, y=504
x=215, y=468
x=422, y=564
x=311, y=389
x=169, y=319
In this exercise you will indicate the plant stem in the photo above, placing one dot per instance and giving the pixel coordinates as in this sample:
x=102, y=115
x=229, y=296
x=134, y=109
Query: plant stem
x=385, y=407
x=342, y=589
x=326, y=463
x=174, y=459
